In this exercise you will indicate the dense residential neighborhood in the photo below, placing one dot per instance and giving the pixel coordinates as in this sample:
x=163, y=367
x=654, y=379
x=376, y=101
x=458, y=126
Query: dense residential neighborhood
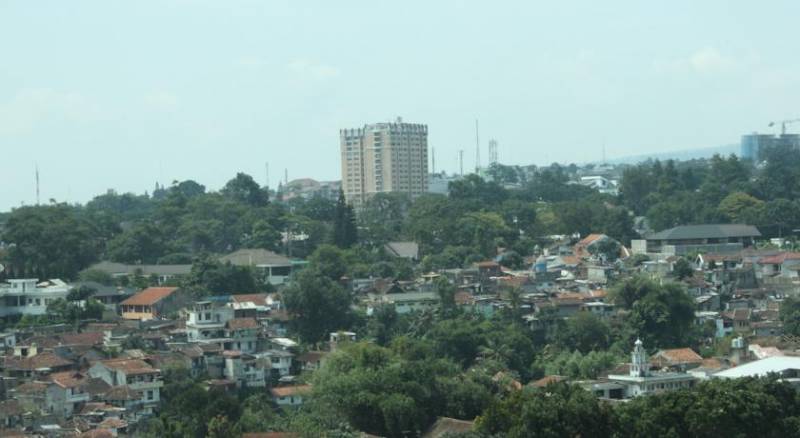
x=498, y=300
x=448, y=219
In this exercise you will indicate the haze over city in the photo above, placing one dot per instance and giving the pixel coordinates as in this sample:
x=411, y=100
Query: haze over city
x=123, y=95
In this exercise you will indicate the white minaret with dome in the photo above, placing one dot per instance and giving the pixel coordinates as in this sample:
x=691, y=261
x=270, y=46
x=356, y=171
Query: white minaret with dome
x=640, y=366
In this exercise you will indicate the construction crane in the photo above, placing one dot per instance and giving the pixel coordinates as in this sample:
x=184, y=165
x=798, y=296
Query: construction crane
x=783, y=124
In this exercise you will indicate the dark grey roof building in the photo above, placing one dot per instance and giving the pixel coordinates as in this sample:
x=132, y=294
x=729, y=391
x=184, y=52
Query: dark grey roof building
x=706, y=233
x=709, y=238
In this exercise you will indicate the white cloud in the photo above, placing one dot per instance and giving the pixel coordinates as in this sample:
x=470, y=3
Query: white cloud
x=30, y=107
x=162, y=100
x=308, y=69
x=709, y=60
x=704, y=61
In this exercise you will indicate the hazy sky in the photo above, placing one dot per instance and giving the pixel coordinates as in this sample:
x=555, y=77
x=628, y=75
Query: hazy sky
x=111, y=94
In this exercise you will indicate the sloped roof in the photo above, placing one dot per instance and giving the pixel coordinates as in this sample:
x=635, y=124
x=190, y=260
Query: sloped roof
x=122, y=393
x=446, y=425
x=590, y=239
x=31, y=388
x=113, y=423
x=408, y=250
x=779, y=258
x=311, y=356
x=149, y=296
x=242, y=323
x=130, y=366
x=97, y=433
x=123, y=269
x=87, y=338
x=710, y=231
x=285, y=391
x=546, y=380
x=677, y=356
x=257, y=299
x=255, y=257
x=68, y=379
x=41, y=360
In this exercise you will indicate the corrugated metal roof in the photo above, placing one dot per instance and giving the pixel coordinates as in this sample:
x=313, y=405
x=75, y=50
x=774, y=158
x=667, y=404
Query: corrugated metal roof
x=710, y=231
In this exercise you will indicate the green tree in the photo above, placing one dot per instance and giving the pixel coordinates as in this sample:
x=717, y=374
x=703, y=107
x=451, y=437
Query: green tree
x=243, y=188
x=142, y=243
x=210, y=276
x=737, y=206
x=664, y=317
x=559, y=410
x=80, y=293
x=682, y=269
x=345, y=233
x=790, y=315
x=329, y=261
x=49, y=241
x=317, y=305
x=585, y=332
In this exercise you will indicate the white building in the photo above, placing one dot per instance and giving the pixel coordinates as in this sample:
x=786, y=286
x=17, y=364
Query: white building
x=279, y=362
x=601, y=184
x=289, y=395
x=29, y=297
x=206, y=321
x=243, y=369
x=640, y=380
x=135, y=374
x=788, y=367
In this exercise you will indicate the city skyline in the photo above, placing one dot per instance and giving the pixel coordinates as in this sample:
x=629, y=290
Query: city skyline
x=210, y=90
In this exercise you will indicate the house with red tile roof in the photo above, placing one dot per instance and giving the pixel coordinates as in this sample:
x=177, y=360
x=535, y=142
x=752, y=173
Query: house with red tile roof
x=151, y=303
x=581, y=249
x=680, y=359
x=289, y=395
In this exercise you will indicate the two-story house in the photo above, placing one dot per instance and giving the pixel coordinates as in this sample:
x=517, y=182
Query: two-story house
x=243, y=369
x=151, y=303
x=137, y=375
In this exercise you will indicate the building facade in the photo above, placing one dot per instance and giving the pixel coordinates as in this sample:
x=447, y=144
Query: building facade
x=29, y=297
x=384, y=157
x=753, y=145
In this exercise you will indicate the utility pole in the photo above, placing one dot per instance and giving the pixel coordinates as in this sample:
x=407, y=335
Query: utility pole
x=37, y=184
x=477, y=149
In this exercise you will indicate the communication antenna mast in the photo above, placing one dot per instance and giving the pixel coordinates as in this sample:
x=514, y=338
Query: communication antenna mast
x=477, y=149
x=37, y=184
x=285, y=175
x=492, y=151
x=461, y=161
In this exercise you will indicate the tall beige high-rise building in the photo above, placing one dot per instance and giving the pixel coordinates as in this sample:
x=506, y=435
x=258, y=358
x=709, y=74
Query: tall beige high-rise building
x=384, y=157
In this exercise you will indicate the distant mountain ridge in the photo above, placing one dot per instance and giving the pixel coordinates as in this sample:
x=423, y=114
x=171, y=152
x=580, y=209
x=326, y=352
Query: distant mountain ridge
x=683, y=155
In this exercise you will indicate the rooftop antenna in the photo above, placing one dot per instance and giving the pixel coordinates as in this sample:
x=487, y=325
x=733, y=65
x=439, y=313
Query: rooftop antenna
x=493, y=151
x=477, y=149
x=37, y=184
